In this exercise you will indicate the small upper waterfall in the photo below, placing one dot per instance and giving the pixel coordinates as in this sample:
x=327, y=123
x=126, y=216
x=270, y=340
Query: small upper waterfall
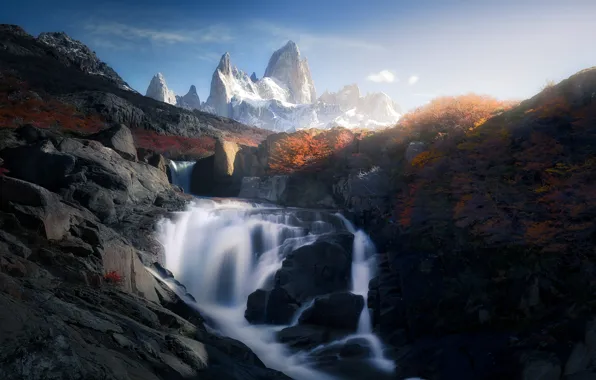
x=180, y=172
x=225, y=251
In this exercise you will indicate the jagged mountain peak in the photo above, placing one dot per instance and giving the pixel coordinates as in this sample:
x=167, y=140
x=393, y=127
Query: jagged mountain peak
x=286, y=66
x=189, y=101
x=224, y=64
x=158, y=90
x=74, y=53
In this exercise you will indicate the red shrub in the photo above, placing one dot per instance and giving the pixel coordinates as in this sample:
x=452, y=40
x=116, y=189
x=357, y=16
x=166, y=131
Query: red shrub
x=201, y=146
x=113, y=277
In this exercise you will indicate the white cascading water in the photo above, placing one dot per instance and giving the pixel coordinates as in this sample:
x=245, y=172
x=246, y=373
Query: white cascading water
x=180, y=172
x=224, y=250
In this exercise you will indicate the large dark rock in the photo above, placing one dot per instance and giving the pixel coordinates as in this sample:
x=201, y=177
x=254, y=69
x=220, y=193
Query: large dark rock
x=39, y=163
x=36, y=207
x=307, y=337
x=273, y=307
x=337, y=310
x=320, y=268
x=120, y=139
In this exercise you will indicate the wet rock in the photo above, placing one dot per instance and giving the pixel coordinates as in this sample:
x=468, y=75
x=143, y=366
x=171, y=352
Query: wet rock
x=306, y=337
x=274, y=307
x=338, y=310
x=537, y=365
x=256, y=306
x=320, y=268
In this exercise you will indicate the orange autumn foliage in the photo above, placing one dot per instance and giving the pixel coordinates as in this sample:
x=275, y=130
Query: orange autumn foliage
x=298, y=151
x=453, y=113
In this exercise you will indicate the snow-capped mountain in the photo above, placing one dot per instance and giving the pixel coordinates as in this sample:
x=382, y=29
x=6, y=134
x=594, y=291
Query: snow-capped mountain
x=75, y=53
x=158, y=90
x=285, y=98
x=189, y=101
x=287, y=67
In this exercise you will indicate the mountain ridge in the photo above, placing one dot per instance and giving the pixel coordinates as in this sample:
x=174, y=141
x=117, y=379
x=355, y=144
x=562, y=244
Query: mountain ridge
x=285, y=98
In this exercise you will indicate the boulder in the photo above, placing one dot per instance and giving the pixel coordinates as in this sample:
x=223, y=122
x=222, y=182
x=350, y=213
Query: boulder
x=119, y=138
x=320, y=268
x=225, y=156
x=270, y=188
x=306, y=337
x=152, y=158
x=31, y=134
x=39, y=163
x=537, y=365
x=273, y=307
x=337, y=310
x=36, y=207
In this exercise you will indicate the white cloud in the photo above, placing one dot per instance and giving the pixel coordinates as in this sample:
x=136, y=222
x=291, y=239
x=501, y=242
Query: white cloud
x=383, y=76
x=209, y=56
x=211, y=34
x=413, y=79
x=306, y=40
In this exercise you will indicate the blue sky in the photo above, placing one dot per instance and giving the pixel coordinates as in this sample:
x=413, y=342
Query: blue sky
x=412, y=50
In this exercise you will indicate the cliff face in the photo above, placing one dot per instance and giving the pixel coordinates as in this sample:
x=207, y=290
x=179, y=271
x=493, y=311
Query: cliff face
x=77, y=224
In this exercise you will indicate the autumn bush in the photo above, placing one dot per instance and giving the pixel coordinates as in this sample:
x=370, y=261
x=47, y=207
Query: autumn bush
x=174, y=145
x=19, y=105
x=452, y=114
x=299, y=151
x=506, y=180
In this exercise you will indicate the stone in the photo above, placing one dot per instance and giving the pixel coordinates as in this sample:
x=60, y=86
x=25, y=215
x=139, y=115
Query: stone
x=538, y=365
x=271, y=188
x=36, y=206
x=316, y=269
x=31, y=134
x=193, y=353
x=578, y=360
x=39, y=163
x=14, y=245
x=225, y=156
x=76, y=246
x=303, y=337
x=119, y=138
x=274, y=307
x=256, y=306
x=337, y=310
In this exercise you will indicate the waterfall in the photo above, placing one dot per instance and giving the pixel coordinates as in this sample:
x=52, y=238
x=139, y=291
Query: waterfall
x=224, y=250
x=180, y=172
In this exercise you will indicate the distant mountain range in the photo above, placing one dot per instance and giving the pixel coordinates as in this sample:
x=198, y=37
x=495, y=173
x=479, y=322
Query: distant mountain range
x=285, y=99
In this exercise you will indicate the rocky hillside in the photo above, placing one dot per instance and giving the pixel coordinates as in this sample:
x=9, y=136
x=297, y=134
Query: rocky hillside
x=54, y=68
x=484, y=215
x=77, y=224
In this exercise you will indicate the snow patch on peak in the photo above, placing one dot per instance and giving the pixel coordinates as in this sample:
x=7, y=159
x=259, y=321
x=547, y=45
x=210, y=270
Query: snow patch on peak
x=158, y=90
x=286, y=66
